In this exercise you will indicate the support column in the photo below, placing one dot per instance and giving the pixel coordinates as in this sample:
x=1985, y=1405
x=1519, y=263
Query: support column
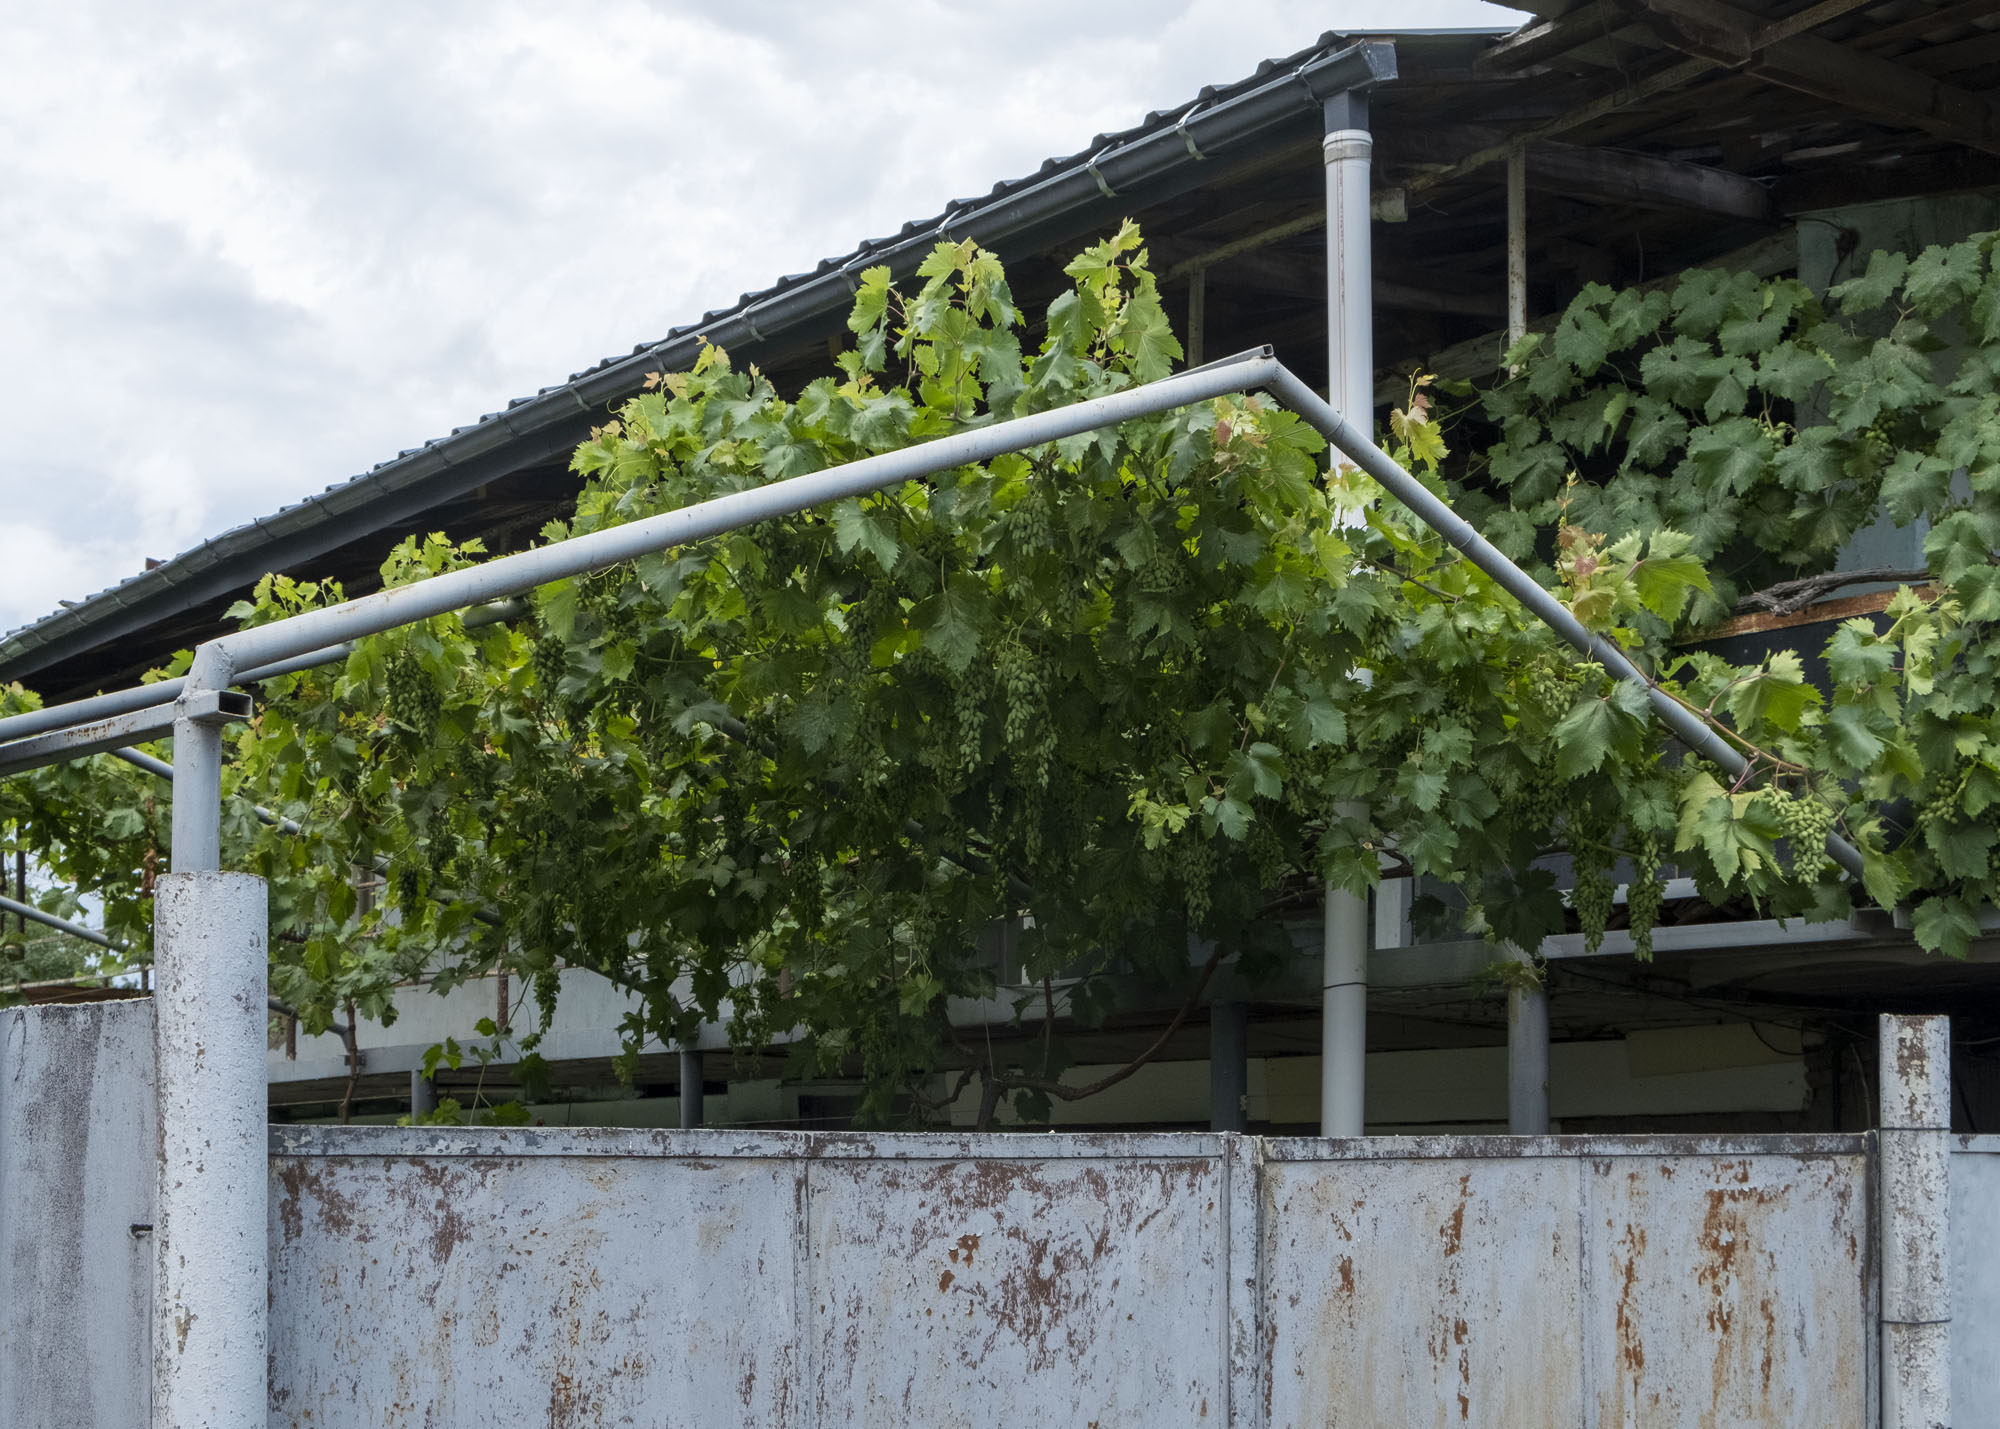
x=691, y=1107
x=1228, y=1066
x=1517, y=245
x=1197, y=322
x=211, y=1267
x=1527, y=1053
x=1915, y=1148
x=423, y=1094
x=1343, y=1041
x=211, y=1272
x=1350, y=341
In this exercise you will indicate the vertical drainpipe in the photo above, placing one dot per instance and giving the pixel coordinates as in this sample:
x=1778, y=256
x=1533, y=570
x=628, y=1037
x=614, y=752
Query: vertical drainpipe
x=1350, y=342
x=1915, y=1186
x=1527, y=1053
x=211, y=1272
x=1527, y=1002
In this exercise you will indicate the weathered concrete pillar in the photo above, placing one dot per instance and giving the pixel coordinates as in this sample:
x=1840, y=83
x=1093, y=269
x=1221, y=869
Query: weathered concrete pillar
x=1228, y=1065
x=1916, y=1221
x=211, y=1274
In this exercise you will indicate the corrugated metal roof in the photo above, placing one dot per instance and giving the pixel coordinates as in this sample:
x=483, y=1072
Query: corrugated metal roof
x=89, y=623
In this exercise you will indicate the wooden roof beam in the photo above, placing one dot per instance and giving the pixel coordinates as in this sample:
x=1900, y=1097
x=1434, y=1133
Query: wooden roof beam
x=1863, y=83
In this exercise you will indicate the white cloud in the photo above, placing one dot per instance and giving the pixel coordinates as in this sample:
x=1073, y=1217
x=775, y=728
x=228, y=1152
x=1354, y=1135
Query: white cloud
x=250, y=251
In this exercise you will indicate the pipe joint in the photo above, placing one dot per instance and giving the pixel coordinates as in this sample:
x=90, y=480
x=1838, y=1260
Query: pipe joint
x=1347, y=144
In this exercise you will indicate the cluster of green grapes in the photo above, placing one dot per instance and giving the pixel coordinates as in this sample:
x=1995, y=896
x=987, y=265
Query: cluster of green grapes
x=1591, y=859
x=549, y=660
x=969, y=711
x=1551, y=691
x=548, y=987
x=1645, y=893
x=1021, y=682
x=1195, y=861
x=1161, y=573
x=1538, y=802
x=1806, y=823
x=441, y=845
x=414, y=701
x=1033, y=529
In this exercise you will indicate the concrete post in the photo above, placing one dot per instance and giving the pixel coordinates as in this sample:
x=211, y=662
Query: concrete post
x=1527, y=1055
x=1915, y=1221
x=211, y=1275
x=691, y=1107
x=1228, y=1066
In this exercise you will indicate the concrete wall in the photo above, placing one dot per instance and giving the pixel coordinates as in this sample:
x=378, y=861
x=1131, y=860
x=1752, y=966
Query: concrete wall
x=1975, y=1282
x=607, y=1277
x=76, y=1177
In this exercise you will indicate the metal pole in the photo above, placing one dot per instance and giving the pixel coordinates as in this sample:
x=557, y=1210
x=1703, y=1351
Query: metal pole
x=691, y=1107
x=1915, y=1181
x=1197, y=328
x=1527, y=1054
x=1228, y=1066
x=1517, y=245
x=211, y=1269
x=423, y=1094
x=1350, y=342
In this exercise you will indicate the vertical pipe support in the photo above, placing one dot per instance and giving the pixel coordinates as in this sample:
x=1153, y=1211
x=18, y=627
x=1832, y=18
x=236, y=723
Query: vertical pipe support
x=1197, y=322
x=423, y=1094
x=1915, y=1221
x=1527, y=1049
x=211, y=1272
x=1348, y=150
x=1517, y=245
x=1228, y=1066
x=691, y=1099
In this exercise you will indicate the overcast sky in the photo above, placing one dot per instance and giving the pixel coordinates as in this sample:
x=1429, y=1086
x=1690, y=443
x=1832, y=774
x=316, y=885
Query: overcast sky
x=247, y=251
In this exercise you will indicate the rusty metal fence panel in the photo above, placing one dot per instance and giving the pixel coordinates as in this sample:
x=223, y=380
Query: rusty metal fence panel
x=76, y=1196
x=1600, y=1280
x=1975, y=1282
x=664, y=1277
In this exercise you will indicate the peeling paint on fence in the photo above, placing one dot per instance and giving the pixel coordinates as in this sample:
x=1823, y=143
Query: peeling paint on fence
x=646, y=1277
x=1975, y=1275
x=596, y=1277
x=1673, y=1280
x=76, y=1196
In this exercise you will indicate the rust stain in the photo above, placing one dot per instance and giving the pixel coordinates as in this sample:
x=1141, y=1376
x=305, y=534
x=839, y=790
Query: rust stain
x=944, y=1282
x=967, y=1244
x=1346, y=1276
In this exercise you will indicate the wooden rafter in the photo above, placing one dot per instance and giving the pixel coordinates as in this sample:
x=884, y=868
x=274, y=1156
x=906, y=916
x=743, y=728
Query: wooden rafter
x=1833, y=73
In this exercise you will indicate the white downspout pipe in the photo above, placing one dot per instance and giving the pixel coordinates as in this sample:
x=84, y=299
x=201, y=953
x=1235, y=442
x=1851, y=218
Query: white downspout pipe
x=1350, y=341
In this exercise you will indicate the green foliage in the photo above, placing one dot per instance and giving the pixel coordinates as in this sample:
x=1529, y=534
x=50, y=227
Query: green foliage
x=1765, y=428
x=1115, y=691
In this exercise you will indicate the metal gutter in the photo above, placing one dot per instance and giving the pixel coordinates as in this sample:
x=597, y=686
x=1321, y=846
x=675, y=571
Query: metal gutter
x=1159, y=159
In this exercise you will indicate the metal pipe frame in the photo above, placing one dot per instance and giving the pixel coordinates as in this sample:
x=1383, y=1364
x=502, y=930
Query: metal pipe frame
x=61, y=925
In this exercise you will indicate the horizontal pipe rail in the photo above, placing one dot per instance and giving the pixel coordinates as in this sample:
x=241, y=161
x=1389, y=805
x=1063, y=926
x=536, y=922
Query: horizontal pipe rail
x=165, y=692
x=314, y=636
x=61, y=925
